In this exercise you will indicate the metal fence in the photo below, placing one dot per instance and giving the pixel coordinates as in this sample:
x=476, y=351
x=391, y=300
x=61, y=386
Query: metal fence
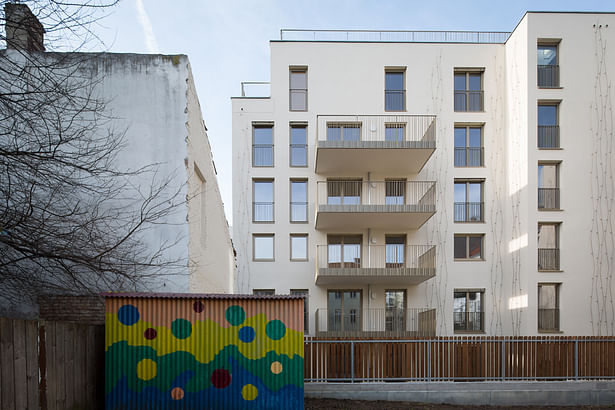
x=459, y=359
x=418, y=36
x=339, y=193
x=548, y=258
x=548, y=198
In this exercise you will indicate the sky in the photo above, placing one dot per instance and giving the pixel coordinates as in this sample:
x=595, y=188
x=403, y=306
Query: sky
x=227, y=41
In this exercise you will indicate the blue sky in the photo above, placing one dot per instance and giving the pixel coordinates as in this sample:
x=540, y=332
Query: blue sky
x=228, y=41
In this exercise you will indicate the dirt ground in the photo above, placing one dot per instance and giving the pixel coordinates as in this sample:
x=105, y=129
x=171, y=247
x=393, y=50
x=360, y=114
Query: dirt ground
x=326, y=404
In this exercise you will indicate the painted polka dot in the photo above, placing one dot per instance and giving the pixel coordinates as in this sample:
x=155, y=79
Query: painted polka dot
x=177, y=393
x=146, y=369
x=276, y=368
x=150, y=333
x=275, y=330
x=249, y=392
x=235, y=315
x=181, y=328
x=128, y=315
x=198, y=306
x=246, y=334
x=220, y=378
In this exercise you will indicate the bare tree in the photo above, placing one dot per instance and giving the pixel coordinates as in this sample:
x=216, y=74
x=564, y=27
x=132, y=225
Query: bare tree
x=70, y=219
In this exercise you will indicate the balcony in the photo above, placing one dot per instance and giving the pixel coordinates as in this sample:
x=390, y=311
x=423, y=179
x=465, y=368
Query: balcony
x=469, y=101
x=375, y=264
x=379, y=322
x=548, y=259
x=468, y=321
x=469, y=212
x=397, y=144
x=356, y=204
x=548, y=136
x=548, y=320
x=548, y=76
x=548, y=198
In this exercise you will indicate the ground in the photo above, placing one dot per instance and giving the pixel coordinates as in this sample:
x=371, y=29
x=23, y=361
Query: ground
x=326, y=404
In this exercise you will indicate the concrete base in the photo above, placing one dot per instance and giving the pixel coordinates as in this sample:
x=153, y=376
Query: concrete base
x=569, y=393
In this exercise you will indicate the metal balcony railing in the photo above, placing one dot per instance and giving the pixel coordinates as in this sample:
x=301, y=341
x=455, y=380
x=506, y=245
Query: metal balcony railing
x=262, y=211
x=548, y=76
x=548, y=136
x=250, y=87
x=469, y=157
x=466, y=100
x=468, y=321
x=548, y=259
x=392, y=256
x=480, y=37
x=469, y=212
x=548, y=319
x=409, y=322
x=548, y=198
x=298, y=211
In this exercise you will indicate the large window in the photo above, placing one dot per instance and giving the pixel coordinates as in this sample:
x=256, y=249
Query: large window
x=262, y=245
x=548, y=128
x=468, y=201
x=344, y=311
x=468, y=91
x=468, y=313
x=548, y=307
x=298, y=201
x=262, y=145
x=298, y=247
x=395, y=251
x=262, y=204
x=548, y=186
x=395, y=310
x=298, y=145
x=548, y=68
x=548, y=246
x=298, y=89
x=469, y=146
x=344, y=132
x=394, y=92
x=306, y=307
x=344, y=192
x=344, y=251
x=469, y=247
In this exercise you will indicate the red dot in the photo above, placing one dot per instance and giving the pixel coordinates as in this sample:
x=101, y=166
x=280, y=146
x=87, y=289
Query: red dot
x=220, y=378
x=198, y=306
x=150, y=333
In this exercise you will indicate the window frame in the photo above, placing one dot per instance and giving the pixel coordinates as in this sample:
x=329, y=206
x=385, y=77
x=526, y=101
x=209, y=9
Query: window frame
x=467, y=147
x=290, y=202
x=467, y=71
x=307, y=247
x=557, y=286
x=260, y=181
x=548, y=43
x=297, y=125
x=481, y=203
x=466, y=312
x=467, y=247
x=557, y=252
x=556, y=129
x=261, y=125
x=297, y=69
x=263, y=235
x=557, y=199
x=395, y=70
x=348, y=239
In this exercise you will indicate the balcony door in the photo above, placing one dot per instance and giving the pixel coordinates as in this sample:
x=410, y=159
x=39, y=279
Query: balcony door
x=395, y=251
x=344, y=251
x=395, y=310
x=344, y=311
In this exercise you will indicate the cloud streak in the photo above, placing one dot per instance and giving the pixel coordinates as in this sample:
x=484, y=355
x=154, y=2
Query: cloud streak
x=148, y=31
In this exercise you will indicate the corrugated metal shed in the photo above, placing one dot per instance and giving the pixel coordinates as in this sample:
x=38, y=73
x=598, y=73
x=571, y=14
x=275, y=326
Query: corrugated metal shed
x=206, y=351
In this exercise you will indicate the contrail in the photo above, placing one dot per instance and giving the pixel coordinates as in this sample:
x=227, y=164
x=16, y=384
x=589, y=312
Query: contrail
x=148, y=30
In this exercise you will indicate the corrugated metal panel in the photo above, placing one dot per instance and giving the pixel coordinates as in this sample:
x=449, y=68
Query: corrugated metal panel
x=203, y=352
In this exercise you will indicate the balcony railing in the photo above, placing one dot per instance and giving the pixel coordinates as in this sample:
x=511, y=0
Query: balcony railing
x=422, y=258
x=548, y=76
x=395, y=100
x=469, y=157
x=469, y=321
x=548, y=319
x=410, y=322
x=298, y=211
x=548, y=136
x=262, y=211
x=466, y=100
x=469, y=211
x=548, y=198
x=421, y=36
x=548, y=259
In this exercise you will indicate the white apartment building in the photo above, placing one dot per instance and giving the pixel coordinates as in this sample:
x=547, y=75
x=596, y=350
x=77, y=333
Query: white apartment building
x=434, y=183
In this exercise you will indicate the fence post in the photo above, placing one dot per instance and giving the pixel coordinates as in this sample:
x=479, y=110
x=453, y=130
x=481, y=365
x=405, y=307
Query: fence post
x=429, y=360
x=352, y=362
x=576, y=359
x=503, y=359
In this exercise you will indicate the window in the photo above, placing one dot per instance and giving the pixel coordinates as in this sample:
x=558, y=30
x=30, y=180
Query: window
x=344, y=132
x=395, y=310
x=298, y=89
x=263, y=292
x=468, y=91
x=548, y=130
x=395, y=132
x=468, y=201
x=344, y=310
x=262, y=205
x=344, y=192
x=469, y=247
x=548, y=68
x=298, y=201
x=548, y=307
x=394, y=251
x=344, y=251
x=262, y=245
x=468, y=313
x=469, y=146
x=395, y=192
x=262, y=145
x=548, y=186
x=298, y=145
x=306, y=311
x=298, y=247
x=394, y=92
x=548, y=246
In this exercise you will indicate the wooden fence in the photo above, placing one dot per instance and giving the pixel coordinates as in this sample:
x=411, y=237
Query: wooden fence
x=51, y=365
x=460, y=359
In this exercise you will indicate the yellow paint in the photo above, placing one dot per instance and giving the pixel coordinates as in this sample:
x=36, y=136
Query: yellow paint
x=276, y=367
x=146, y=369
x=207, y=339
x=249, y=392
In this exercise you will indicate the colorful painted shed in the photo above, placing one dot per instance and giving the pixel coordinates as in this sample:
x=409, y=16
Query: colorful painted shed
x=192, y=351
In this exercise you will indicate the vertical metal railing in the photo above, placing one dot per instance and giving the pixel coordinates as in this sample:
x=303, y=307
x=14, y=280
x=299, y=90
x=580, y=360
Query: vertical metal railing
x=548, y=136
x=548, y=76
x=548, y=319
x=375, y=127
x=358, y=192
x=469, y=156
x=466, y=100
x=548, y=198
x=548, y=258
x=469, y=211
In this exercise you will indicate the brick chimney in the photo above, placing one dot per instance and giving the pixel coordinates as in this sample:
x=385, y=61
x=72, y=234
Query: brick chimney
x=23, y=30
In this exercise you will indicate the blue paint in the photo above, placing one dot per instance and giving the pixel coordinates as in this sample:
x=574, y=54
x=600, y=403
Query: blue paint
x=128, y=315
x=246, y=334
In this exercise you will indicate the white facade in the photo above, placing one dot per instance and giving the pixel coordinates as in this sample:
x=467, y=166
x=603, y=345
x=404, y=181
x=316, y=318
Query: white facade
x=501, y=201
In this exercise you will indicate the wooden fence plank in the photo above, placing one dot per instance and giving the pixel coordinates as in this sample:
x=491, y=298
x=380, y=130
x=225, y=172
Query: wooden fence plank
x=53, y=377
x=6, y=353
x=32, y=379
x=19, y=364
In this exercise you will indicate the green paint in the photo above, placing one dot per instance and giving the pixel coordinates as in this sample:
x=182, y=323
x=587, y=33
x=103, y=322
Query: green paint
x=275, y=329
x=235, y=315
x=181, y=328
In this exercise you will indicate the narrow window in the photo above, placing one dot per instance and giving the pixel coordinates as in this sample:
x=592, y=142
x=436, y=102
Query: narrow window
x=469, y=146
x=298, y=201
x=548, y=128
x=468, y=90
x=394, y=92
x=262, y=245
x=262, y=145
x=548, y=307
x=298, y=247
x=547, y=65
x=298, y=89
x=395, y=310
x=548, y=186
x=469, y=203
x=548, y=246
x=468, y=313
x=298, y=145
x=395, y=251
x=262, y=204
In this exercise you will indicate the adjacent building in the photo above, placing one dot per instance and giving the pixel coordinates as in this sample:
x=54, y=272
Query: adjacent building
x=434, y=183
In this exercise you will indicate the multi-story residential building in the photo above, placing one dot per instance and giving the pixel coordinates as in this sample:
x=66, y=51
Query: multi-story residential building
x=434, y=183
